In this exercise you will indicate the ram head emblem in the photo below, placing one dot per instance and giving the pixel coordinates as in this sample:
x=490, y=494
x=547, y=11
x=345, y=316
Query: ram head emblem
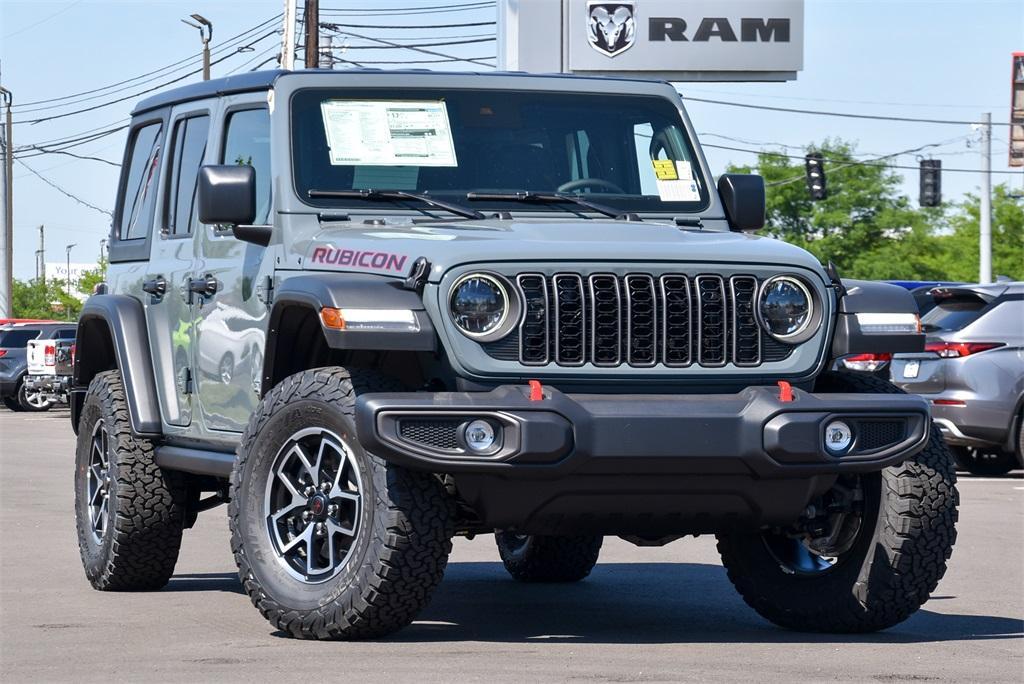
x=611, y=26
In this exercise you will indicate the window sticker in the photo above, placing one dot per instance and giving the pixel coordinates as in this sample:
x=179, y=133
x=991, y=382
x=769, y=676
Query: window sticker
x=678, y=191
x=665, y=169
x=388, y=133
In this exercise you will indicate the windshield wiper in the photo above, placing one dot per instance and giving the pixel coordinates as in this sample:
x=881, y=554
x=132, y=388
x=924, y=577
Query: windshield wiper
x=391, y=195
x=552, y=198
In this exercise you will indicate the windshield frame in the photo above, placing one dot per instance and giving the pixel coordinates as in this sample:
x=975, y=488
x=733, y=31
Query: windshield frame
x=425, y=90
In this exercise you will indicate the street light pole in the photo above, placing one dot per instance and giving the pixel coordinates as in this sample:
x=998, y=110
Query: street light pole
x=985, y=241
x=206, y=33
x=7, y=218
x=67, y=251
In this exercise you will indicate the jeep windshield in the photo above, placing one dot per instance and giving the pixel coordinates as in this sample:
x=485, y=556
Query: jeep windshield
x=626, y=153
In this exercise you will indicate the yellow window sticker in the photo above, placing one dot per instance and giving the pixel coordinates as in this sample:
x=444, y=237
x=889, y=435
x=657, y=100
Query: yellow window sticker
x=665, y=169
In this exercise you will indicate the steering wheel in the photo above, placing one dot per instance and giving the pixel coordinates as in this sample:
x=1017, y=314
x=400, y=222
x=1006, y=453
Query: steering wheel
x=590, y=183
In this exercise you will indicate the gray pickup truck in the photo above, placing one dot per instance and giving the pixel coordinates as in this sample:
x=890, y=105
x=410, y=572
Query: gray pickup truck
x=371, y=311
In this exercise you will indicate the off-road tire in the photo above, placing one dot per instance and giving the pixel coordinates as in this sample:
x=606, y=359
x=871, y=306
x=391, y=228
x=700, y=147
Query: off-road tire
x=894, y=565
x=992, y=462
x=146, y=514
x=538, y=558
x=404, y=539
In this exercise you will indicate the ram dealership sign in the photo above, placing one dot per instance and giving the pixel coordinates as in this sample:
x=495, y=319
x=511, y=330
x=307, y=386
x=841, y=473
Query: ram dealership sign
x=678, y=40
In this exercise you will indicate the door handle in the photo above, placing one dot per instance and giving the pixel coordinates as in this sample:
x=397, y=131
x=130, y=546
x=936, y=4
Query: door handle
x=156, y=287
x=206, y=286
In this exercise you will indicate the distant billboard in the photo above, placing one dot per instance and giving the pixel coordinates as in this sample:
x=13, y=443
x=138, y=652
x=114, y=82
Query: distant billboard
x=1017, y=110
x=700, y=40
x=57, y=271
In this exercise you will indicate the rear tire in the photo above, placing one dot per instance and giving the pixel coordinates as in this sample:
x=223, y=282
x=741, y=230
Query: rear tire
x=367, y=566
x=538, y=558
x=904, y=537
x=130, y=513
x=984, y=463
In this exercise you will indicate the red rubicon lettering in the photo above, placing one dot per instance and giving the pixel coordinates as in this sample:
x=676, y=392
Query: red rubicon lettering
x=381, y=261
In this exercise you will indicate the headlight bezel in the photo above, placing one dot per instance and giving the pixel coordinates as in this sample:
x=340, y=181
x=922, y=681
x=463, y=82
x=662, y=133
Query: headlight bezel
x=510, y=317
x=811, y=324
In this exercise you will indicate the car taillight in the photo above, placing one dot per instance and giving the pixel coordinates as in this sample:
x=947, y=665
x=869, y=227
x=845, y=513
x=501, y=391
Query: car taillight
x=3, y=352
x=955, y=350
x=866, y=363
x=73, y=354
x=50, y=355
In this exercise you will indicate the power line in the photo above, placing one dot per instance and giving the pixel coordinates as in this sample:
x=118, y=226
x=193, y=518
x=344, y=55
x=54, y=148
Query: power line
x=44, y=20
x=418, y=27
x=406, y=11
x=847, y=115
x=841, y=101
x=408, y=47
x=86, y=157
x=847, y=162
x=174, y=66
x=414, y=61
x=141, y=92
x=413, y=45
x=62, y=190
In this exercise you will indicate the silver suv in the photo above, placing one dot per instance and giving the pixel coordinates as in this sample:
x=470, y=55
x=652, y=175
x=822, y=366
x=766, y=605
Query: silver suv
x=375, y=310
x=972, y=372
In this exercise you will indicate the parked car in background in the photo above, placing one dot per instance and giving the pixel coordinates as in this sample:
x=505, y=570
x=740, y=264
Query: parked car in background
x=972, y=371
x=50, y=368
x=14, y=339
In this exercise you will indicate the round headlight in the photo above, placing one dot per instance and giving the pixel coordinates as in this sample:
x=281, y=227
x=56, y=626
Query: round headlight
x=786, y=308
x=480, y=306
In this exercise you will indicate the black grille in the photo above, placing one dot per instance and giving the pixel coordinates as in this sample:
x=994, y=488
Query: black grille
x=876, y=434
x=439, y=433
x=641, y=320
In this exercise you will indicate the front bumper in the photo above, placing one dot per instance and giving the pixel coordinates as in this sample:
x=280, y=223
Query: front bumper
x=641, y=464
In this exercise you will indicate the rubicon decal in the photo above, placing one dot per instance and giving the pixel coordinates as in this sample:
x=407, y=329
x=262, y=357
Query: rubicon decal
x=381, y=261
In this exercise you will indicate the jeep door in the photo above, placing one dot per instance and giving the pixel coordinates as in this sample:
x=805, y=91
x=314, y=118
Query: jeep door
x=169, y=313
x=231, y=323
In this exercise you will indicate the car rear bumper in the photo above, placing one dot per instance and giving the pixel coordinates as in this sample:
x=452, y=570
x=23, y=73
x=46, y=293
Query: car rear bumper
x=641, y=464
x=51, y=385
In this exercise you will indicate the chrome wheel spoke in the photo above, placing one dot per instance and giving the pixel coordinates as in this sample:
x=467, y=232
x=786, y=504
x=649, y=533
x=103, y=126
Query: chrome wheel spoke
x=97, y=487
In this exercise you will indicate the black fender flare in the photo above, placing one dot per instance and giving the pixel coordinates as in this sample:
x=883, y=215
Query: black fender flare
x=112, y=334
x=316, y=291
x=868, y=296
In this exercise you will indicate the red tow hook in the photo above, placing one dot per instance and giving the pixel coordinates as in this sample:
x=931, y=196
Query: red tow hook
x=785, y=392
x=536, y=391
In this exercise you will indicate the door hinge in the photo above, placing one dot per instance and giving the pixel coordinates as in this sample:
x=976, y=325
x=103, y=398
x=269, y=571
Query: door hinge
x=185, y=381
x=265, y=290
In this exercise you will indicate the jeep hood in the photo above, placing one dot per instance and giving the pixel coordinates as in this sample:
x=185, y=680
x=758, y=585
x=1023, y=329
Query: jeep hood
x=392, y=248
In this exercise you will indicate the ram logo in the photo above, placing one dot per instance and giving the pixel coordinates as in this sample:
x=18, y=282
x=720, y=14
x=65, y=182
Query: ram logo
x=611, y=26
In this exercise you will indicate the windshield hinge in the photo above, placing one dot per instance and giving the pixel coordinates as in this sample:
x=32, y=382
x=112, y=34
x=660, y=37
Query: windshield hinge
x=833, y=275
x=689, y=222
x=417, y=277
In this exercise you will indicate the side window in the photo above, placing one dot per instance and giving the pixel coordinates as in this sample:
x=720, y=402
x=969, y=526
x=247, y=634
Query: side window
x=188, y=147
x=140, y=187
x=247, y=141
x=65, y=334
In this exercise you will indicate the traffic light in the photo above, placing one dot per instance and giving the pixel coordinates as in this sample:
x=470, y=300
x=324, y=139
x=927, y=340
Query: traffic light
x=813, y=164
x=931, y=183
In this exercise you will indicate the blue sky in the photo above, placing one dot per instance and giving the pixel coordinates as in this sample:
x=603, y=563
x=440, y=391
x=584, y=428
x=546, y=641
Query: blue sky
x=932, y=59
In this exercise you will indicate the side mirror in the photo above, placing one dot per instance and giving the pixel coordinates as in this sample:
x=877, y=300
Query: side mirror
x=743, y=199
x=227, y=195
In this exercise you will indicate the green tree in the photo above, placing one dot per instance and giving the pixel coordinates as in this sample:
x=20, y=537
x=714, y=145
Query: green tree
x=865, y=225
x=959, y=248
x=93, y=277
x=39, y=299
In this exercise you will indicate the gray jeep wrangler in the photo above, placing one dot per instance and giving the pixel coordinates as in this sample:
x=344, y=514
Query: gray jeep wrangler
x=371, y=311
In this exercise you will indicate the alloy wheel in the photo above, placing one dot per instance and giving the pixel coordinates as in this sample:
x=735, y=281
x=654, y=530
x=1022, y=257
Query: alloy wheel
x=314, y=504
x=98, y=485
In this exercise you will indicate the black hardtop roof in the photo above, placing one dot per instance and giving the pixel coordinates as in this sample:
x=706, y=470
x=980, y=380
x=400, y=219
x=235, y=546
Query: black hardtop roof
x=264, y=80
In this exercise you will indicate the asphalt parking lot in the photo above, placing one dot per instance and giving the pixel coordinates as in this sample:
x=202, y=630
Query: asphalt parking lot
x=662, y=614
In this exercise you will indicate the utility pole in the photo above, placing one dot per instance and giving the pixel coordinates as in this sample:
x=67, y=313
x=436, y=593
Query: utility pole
x=312, y=34
x=288, y=40
x=206, y=34
x=41, y=256
x=7, y=222
x=985, y=266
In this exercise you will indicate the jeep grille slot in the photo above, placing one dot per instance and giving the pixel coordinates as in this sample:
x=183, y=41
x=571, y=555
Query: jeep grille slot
x=534, y=338
x=711, y=333
x=746, y=333
x=570, y=320
x=606, y=320
x=641, y=320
